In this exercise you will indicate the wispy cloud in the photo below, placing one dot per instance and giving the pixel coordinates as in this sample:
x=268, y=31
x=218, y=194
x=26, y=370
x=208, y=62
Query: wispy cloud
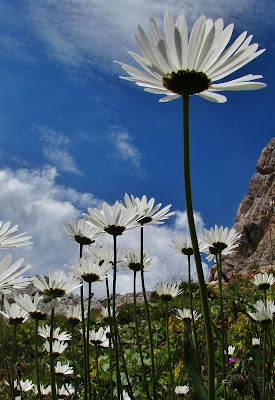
x=125, y=151
x=56, y=150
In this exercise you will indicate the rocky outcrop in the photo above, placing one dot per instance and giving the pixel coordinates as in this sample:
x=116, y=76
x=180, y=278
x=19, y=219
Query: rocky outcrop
x=255, y=220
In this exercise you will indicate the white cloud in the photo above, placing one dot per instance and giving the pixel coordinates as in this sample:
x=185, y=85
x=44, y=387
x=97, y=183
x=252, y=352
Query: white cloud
x=56, y=150
x=33, y=200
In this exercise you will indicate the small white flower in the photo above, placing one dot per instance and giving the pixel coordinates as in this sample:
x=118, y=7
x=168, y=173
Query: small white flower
x=45, y=331
x=230, y=350
x=58, y=284
x=25, y=386
x=131, y=260
x=219, y=240
x=185, y=314
x=256, y=342
x=43, y=390
x=101, y=252
x=99, y=338
x=263, y=281
x=125, y=395
x=167, y=291
x=183, y=244
x=182, y=390
x=10, y=279
x=89, y=270
x=263, y=312
x=8, y=241
x=74, y=314
x=57, y=348
x=82, y=232
x=35, y=306
x=14, y=313
x=66, y=390
x=64, y=369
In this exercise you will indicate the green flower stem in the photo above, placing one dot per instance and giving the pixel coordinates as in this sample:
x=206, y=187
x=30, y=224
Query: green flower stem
x=1, y=327
x=73, y=359
x=191, y=223
x=52, y=357
x=97, y=373
x=124, y=365
x=264, y=366
x=119, y=392
x=224, y=341
x=87, y=341
x=13, y=361
x=147, y=315
x=171, y=391
x=36, y=359
x=83, y=331
x=192, y=312
x=110, y=338
x=138, y=339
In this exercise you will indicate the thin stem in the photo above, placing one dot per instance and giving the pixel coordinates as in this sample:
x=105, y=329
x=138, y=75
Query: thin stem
x=36, y=360
x=191, y=223
x=171, y=392
x=192, y=311
x=83, y=332
x=110, y=338
x=138, y=339
x=74, y=366
x=97, y=372
x=119, y=393
x=13, y=360
x=264, y=366
x=147, y=315
x=52, y=357
x=87, y=340
x=124, y=365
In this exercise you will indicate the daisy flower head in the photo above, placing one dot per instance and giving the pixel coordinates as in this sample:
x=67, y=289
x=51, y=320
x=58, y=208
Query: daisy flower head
x=183, y=244
x=10, y=275
x=256, y=342
x=43, y=390
x=167, y=291
x=219, y=240
x=148, y=213
x=74, y=314
x=125, y=395
x=231, y=350
x=263, y=281
x=181, y=390
x=63, y=369
x=14, y=313
x=101, y=252
x=89, y=270
x=185, y=314
x=45, y=332
x=112, y=219
x=25, y=386
x=66, y=390
x=8, y=241
x=57, y=347
x=264, y=313
x=99, y=338
x=176, y=65
x=131, y=260
x=82, y=232
x=58, y=284
x=35, y=306
x=105, y=313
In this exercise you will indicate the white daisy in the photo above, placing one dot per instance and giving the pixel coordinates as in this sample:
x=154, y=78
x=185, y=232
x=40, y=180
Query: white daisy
x=125, y=395
x=35, y=306
x=101, y=252
x=82, y=232
x=167, y=291
x=14, y=313
x=45, y=332
x=99, y=338
x=264, y=313
x=8, y=241
x=256, y=342
x=185, y=314
x=263, y=281
x=105, y=313
x=231, y=350
x=183, y=244
x=43, y=390
x=66, y=390
x=182, y=390
x=10, y=279
x=74, y=314
x=175, y=65
x=57, y=348
x=25, y=386
x=112, y=219
x=219, y=240
x=131, y=260
x=63, y=369
x=58, y=284
x=89, y=270
x=147, y=212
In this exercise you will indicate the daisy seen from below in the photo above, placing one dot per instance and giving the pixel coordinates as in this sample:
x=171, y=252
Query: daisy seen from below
x=99, y=338
x=63, y=369
x=14, y=313
x=101, y=252
x=89, y=270
x=74, y=314
x=131, y=260
x=182, y=390
x=256, y=342
x=177, y=65
x=185, y=314
x=167, y=291
x=8, y=241
x=263, y=281
x=183, y=244
x=35, y=306
x=219, y=240
x=66, y=390
x=45, y=332
x=10, y=275
x=112, y=219
x=82, y=232
x=264, y=313
x=58, y=347
x=148, y=213
x=43, y=389
x=58, y=284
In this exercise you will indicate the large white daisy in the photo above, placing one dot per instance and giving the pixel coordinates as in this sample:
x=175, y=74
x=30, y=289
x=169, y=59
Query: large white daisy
x=177, y=65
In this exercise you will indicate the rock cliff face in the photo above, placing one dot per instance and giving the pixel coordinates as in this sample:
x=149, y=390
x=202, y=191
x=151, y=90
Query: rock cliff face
x=255, y=220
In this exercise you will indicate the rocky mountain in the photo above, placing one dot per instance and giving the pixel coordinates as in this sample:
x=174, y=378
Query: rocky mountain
x=255, y=220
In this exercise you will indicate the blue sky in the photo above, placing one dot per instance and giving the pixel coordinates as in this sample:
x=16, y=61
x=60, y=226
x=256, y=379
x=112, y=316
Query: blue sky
x=73, y=134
